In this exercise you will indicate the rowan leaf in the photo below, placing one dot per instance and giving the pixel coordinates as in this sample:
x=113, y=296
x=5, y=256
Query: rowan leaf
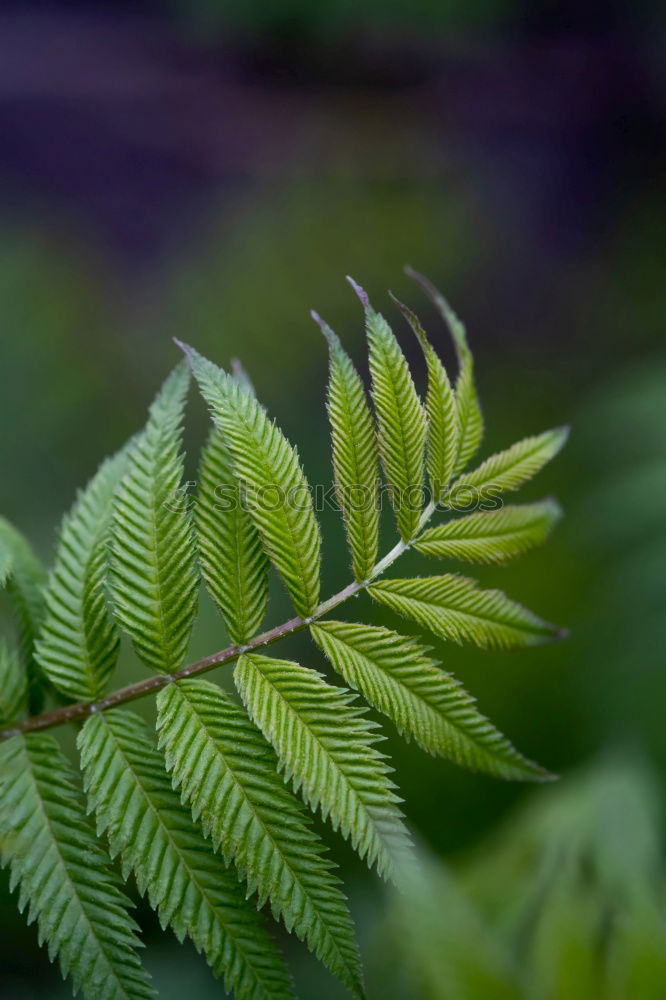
x=233, y=562
x=470, y=417
x=441, y=409
x=190, y=886
x=491, y=536
x=275, y=490
x=153, y=571
x=401, y=420
x=77, y=646
x=355, y=456
x=326, y=748
x=399, y=678
x=227, y=773
x=454, y=607
x=62, y=872
x=510, y=469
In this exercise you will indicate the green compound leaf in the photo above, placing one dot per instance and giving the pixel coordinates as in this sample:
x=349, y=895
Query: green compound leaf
x=275, y=490
x=154, y=578
x=442, y=412
x=355, y=456
x=401, y=419
x=326, y=748
x=25, y=581
x=470, y=418
x=191, y=888
x=454, y=607
x=509, y=469
x=13, y=686
x=233, y=562
x=78, y=644
x=63, y=873
x=399, y=678
x=228, y=774
x=493, y=536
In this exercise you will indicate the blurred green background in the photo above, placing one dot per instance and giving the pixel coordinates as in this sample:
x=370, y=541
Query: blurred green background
x=211, y=171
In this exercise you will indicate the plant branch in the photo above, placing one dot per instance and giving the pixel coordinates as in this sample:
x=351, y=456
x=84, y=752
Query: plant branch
x=82, y=709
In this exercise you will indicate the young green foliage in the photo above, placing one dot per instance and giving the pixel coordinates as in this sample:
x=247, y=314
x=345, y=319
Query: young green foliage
x=470, y=418
x=275, y=490
x=355, y=456
x=77, y=646
x=325, y=747
x=228, y=774
x=510, y=469
x=454, y=607
x=191, y=888
x=401, y=419
x=399, y=678
x=491, y=536
x=63, y=873
x=232, y=560
x=153, y=577
x=442, y=412
x=205, y=822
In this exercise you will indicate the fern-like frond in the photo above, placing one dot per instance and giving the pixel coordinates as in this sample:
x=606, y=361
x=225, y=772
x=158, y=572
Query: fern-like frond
x=233, y=562
x=399, y=678
x=326, y=748
x=25, y=585
x=509, y=469
x=492, y=536
x=454, y=607
x=228, y=774
x=191, y=888
x=77, y=646
x=13, y=686
x=62, y=872
x=470, y=417
x=275, y=490
x=355, y=456
x=153, y=571
x=401, y=420
x=441, y=410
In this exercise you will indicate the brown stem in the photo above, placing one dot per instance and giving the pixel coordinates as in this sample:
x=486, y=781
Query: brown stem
x=82, y=709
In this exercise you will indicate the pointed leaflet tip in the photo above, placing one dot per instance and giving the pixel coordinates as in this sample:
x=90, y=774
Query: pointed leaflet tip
x=560, y=436
x=362, y=294
x=454, y=324
x=325, y=328
x=413, y=321
x=551, y=504
x=185, y=348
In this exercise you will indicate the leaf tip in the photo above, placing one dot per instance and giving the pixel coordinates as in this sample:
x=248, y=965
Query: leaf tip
x=552, y=506
x=324, y=327
x=413, y=321
x=185, y=348
x=361, y=293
